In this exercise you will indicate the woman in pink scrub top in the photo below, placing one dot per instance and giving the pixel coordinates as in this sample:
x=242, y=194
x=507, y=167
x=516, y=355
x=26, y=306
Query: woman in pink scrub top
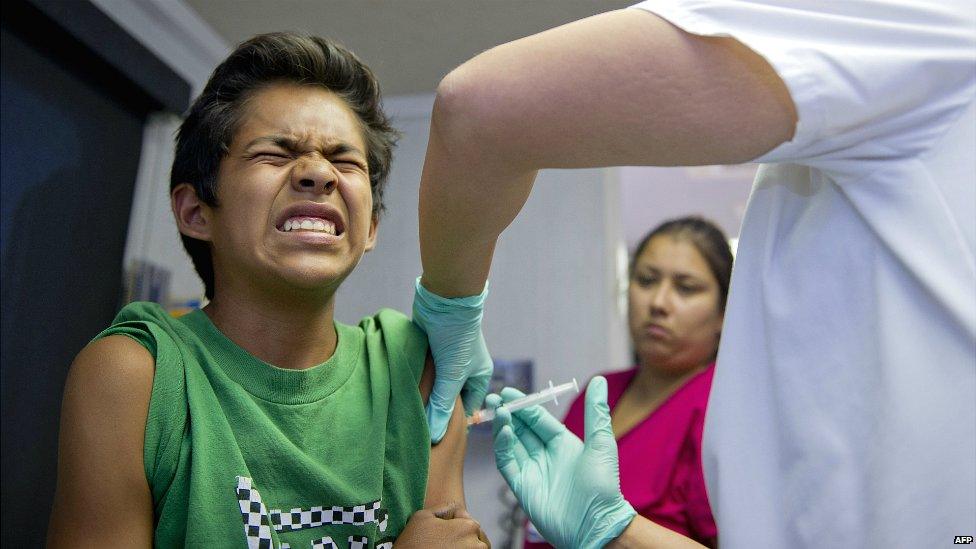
x=679, y=279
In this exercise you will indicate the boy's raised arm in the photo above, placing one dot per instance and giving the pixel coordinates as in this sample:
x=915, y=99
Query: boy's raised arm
x=103, y=497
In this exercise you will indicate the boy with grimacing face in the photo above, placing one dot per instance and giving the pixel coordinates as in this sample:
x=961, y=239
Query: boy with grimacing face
x=259, y=421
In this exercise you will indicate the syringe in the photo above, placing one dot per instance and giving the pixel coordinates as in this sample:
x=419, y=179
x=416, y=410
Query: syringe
x=543, y=396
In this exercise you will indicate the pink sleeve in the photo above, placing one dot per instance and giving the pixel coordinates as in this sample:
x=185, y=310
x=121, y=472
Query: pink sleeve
x=574, y=417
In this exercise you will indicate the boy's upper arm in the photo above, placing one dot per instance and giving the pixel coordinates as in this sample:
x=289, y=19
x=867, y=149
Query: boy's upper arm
x=103, y=497
x=447, y=456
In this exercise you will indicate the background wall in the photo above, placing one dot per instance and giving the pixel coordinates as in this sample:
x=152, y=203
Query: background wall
x=651, y=195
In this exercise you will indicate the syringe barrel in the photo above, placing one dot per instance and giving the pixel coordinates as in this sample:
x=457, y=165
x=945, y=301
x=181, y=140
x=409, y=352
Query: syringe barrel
x=542, y=396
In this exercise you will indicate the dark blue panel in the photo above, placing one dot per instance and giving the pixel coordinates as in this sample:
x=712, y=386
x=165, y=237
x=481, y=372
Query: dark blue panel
x=70, y=153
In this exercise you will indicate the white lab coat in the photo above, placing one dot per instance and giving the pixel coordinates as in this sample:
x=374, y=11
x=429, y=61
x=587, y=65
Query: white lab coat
x=843, y=410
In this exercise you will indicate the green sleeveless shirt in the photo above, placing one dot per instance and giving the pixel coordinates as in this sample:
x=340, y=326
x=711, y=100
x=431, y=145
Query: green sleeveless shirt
x=239, y=453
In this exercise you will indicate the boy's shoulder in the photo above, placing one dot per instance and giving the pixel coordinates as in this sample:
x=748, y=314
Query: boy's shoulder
x=147, y=323
x=143, y=311
x=112, y=362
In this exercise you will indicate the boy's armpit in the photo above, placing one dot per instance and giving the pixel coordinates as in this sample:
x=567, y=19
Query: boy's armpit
x=103, y=497
x=447, y=456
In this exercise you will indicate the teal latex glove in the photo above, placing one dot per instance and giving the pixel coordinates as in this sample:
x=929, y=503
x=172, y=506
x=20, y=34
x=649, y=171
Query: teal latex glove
x=461, y=360
x=570, y=489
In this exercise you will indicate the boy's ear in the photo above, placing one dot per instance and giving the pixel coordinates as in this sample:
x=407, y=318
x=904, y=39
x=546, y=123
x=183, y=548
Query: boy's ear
x=374, y=226
x=192, y=214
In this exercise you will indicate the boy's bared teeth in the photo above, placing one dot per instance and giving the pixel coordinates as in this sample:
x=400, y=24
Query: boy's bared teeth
x=306, y=224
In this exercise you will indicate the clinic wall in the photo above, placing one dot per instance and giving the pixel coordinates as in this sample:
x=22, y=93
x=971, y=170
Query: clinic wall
x=652, y=195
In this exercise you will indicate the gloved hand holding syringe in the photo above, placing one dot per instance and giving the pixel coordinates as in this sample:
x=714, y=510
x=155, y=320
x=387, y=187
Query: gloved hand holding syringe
x=541, y=397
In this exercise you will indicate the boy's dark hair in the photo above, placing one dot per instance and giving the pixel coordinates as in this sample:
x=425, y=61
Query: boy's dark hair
x=205, y=135
x=707, y=238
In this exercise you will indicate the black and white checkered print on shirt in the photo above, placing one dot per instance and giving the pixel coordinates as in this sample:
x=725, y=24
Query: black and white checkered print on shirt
x=358, y=542
x=357, y=515
x=324, y=543
x=257, y=527
x=258, y=522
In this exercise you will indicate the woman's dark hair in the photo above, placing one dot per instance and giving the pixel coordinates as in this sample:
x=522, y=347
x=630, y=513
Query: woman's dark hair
x=205, y=135
x=707, y=238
